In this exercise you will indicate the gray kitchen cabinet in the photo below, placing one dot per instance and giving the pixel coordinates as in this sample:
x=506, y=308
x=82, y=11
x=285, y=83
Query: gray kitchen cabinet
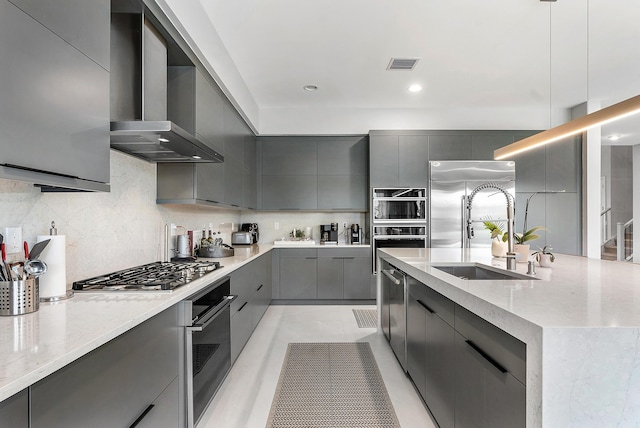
x=343, y=156
x=163, y=413
x=289, y=192
x=234, y=133
x=343, y=192
x=490, y=381
x=115, y=383
x=251, y=284
x=313, y=173
x=190, y=182
x=289, y=156
x=62, y=121
x=530, y=171
x=413, y=160
x=233, y=182
x=298, y=273
x=14, y=411
x=482, y=146
x=330, y=277
x=450, y=147
x=431, y=349
x=383, y=160
x=562, y=161
x=357, y=276
x=82, y=24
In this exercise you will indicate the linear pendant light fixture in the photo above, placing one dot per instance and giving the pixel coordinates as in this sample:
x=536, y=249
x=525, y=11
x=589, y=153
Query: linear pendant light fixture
x=612, y=113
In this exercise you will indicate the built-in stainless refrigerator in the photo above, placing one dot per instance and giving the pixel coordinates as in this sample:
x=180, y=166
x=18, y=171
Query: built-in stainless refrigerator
x=451, y=183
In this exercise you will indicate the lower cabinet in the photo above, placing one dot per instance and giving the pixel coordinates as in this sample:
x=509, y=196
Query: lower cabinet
x=14, y=411
x=252, y=285
x=469, y=372
x=324, y=273
x=114, y=385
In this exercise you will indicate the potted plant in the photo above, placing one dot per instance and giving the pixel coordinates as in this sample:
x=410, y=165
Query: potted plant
x=544, y=256
x=520, y=247
x=498, y=237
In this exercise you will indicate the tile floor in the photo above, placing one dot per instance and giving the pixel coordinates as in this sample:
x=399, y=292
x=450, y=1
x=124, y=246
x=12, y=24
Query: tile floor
x=244, y=399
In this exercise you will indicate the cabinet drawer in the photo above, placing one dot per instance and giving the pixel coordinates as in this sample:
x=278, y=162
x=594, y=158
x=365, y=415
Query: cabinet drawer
x=298, y=252
x=241, y=328
x=500, y=346
x=344, y=252
x=435, y=302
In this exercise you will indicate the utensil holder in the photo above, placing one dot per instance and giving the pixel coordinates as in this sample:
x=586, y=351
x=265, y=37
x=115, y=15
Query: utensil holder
x=19, y=297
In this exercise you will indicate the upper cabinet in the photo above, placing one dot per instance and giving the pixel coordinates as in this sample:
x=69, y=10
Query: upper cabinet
x=54, y=85
x=313, y=173
x=198, y=106
x=83, y=24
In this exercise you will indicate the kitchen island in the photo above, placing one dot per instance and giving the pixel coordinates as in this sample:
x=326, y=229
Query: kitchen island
x=580, y=321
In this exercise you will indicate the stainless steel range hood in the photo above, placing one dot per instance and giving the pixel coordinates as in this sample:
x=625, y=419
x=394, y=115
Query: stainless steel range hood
x=139, y=124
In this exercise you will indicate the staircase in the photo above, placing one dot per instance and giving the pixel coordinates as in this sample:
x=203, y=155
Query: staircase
x=609, y=250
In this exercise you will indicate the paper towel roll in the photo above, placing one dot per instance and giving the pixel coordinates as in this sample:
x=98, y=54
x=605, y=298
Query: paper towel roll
x=54, y=282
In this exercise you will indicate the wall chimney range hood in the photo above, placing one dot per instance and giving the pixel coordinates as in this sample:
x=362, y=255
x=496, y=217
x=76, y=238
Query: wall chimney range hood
x=139, y=124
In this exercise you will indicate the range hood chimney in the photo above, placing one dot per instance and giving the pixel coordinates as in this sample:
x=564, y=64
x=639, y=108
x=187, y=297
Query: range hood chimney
x=139, y=124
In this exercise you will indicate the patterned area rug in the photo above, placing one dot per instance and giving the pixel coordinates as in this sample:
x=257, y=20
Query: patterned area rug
x=331, y=385
x=366, y=318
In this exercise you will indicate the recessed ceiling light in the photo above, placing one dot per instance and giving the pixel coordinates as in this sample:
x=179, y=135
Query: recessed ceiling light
x=163, y=140
x=614, y=137
x=196, y=157
x=415, y=88
x=310, y=88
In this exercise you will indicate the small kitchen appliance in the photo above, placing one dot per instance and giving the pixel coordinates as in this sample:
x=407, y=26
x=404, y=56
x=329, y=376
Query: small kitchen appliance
x=355, y=234
x=241, y=238
x=252, y=228
x=329, y=233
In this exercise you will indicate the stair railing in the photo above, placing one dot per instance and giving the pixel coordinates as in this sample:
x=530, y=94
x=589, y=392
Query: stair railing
x=624, y=251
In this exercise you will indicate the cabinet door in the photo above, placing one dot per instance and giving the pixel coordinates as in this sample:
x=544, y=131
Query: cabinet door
x=343, y=157
x=233, y=182
x=485, y=395
x=357, y=277
x=114, y=383
x=330, y=278
x=209, y=110
x=343, y=192
x=383, y=160
x=234, y=133
x=55, y=101
x=163, y=413
x=449, y=147
x=241, y=328
x=83, y=24
x=14, y=411
x=413, y=156
x=293, y=157
x=298, y=277
x=210, y=182
x=416, y=336
x=289, y=192
x=440, y=357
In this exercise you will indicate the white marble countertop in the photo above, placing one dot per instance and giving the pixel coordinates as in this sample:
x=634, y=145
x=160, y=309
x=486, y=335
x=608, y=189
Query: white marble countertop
x=574, y=292
x=35, y=345
x=297, y=244
x=580, y=321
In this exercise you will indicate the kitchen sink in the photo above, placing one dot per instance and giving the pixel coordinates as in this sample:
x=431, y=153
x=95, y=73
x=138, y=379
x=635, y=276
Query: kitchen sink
x=474, y=271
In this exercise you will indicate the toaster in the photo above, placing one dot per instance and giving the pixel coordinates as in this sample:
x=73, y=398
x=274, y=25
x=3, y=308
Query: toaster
x=241, y=238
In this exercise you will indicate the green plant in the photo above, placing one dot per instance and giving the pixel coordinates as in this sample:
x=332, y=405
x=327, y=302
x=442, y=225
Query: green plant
x=529, y=235
x=544, y=250
x=496, y=229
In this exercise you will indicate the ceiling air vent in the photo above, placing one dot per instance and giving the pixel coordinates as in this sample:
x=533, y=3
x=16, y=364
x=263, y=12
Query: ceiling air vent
x=402, y=63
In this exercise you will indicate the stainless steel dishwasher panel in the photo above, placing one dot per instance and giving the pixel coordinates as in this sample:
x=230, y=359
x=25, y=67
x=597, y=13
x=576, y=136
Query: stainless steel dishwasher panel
x=395, y=279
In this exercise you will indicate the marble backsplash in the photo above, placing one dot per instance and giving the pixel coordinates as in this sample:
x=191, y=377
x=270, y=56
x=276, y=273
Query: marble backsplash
x=125, y=227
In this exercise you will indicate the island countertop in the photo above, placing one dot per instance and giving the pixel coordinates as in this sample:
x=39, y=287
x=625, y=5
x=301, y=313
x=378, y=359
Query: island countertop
x=580, y=321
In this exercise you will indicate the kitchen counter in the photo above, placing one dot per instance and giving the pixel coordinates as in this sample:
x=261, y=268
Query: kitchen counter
x=296, y=244
x=35, y=345
x=580, y=321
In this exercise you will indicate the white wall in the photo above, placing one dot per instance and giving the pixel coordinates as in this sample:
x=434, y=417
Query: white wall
x=105, y=231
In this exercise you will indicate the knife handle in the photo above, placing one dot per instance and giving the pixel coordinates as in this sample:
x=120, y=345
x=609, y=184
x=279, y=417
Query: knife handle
x=26, y=250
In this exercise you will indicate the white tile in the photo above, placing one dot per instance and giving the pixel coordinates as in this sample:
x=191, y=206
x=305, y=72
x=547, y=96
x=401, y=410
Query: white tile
x=244, y=399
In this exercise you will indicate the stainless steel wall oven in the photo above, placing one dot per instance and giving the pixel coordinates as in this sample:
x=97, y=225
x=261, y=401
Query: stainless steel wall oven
x=207, y=345
x=398, y=219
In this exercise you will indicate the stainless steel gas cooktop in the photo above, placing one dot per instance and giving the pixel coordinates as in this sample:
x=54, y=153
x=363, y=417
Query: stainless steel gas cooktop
x=157, y=276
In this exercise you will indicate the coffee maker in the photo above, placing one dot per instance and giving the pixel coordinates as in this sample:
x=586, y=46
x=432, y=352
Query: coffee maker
x=252, y=228
x=329, y=234
x=355, y=234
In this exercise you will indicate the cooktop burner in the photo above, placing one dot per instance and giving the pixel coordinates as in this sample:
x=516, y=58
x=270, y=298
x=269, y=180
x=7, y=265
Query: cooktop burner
x=150, y=277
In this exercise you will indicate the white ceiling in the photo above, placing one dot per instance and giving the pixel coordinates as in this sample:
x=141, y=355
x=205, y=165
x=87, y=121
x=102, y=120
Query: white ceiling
x=492, y=64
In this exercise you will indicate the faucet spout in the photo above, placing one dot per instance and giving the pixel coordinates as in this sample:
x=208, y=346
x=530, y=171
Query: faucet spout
x=511, y=255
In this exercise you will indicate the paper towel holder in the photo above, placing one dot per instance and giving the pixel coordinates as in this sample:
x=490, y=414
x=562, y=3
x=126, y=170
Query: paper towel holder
x=53, y=231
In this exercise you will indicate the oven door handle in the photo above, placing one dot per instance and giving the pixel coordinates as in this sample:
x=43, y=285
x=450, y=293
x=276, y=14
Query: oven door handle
x=212, y=314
